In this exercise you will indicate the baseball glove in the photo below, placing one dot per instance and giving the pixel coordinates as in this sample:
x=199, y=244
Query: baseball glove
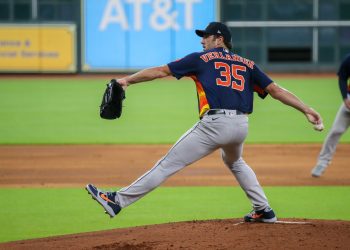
x=112, y=101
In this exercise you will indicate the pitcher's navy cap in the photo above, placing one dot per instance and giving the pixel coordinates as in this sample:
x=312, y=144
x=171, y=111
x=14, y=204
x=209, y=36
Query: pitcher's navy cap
x=216, y=28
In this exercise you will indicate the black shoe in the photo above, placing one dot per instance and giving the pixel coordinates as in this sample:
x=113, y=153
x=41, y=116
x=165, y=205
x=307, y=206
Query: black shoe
x=265, y=215
x=106, y=199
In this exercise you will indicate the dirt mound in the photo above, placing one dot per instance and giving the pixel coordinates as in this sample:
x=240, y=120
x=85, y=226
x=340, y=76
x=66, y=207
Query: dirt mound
x=212, y=234
x=76, y=165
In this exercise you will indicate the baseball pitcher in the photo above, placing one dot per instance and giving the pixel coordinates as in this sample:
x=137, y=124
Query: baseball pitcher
x=225, y=85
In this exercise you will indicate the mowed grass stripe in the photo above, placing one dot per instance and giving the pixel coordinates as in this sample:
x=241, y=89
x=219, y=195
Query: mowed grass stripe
x=34, y=213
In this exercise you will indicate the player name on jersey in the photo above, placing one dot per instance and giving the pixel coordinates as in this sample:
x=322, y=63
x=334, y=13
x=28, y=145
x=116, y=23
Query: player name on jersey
x=219, y=55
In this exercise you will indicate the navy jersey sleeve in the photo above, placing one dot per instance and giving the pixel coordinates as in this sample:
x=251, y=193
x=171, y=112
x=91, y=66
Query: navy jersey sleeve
x=184, y=66
x=344, y=74
x=260, y=81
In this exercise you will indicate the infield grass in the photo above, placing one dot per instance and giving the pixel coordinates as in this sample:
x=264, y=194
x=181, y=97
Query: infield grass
x=66, y=111
x=35, y=212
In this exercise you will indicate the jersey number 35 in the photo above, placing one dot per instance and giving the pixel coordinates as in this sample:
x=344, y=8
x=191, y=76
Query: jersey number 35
x=227, y=72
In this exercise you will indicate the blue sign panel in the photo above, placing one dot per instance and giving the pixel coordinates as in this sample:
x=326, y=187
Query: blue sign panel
x=134, y=34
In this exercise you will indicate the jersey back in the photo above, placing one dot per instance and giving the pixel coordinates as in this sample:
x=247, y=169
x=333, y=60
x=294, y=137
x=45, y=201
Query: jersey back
x=224, y=80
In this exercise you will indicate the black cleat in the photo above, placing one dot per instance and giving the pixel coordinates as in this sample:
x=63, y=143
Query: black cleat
x=265, y=215
x=105, y=199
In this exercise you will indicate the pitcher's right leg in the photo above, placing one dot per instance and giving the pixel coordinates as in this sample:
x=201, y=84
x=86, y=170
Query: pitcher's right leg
x=250, y=185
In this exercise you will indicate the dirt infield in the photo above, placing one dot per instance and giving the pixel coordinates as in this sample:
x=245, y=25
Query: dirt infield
x=215, y=234
x=112, y=165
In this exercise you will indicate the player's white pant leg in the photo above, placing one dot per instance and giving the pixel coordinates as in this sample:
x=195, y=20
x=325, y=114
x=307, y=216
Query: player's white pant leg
x=202, y=139
x=340, y=125
x=245, y=176
x=192, y=146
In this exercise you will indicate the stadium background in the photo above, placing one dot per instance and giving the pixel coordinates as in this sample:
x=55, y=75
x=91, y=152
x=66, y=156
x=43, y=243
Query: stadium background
x=281, y=36
x=55, y=58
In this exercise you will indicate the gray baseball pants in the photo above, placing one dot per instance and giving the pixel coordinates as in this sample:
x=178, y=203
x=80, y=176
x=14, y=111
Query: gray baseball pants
x=226, y=131
x=340, y=125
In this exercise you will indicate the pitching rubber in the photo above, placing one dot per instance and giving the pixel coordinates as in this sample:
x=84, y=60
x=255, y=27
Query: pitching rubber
x=277, y=222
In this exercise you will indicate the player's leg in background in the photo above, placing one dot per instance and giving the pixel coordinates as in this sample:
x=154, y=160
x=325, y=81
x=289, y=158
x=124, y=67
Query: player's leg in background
x=340, y=125
x=192, y=146
x=231, y=155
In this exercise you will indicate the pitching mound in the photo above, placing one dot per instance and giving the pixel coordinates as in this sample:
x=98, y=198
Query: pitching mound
x=76, y=165
x=213, y=234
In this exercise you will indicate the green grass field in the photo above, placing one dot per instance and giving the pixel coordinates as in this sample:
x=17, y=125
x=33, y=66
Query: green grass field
x=34, y=213
x=63, y=111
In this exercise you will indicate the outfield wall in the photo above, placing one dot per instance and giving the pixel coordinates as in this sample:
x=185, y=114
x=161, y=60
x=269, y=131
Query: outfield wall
x=38, y=48
x=128, y=35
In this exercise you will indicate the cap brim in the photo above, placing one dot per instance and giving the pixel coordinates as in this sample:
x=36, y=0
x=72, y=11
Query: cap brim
x=200, y=33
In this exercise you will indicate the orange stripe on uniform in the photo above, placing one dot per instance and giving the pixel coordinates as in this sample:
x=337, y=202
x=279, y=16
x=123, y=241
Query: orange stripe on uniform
x=202, y=98
x=258, y=89
x=261, y=92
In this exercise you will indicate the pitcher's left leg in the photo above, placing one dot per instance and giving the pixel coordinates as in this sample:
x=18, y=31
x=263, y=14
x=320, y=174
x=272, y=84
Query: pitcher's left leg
x=191, y=147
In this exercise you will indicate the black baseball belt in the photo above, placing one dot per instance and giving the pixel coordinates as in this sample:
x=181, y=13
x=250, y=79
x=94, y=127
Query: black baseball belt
x=224, y=111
